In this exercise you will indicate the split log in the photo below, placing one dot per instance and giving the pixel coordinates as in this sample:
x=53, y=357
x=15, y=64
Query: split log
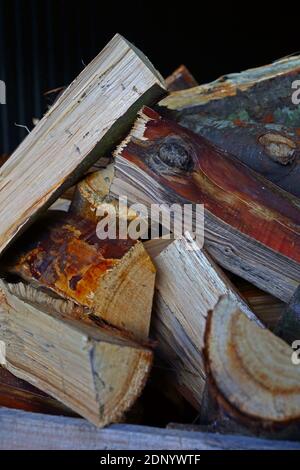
x=252, y=116
x=188, y=285
x=95, y=370
x=113, y=279
x=181, y=79
x=251, y=226
x=18, y=394
x=250, y=370
x=86, y=122
x=267, y=308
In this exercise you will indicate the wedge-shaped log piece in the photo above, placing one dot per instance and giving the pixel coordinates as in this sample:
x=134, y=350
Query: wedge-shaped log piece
x=188, y=285
x=181, y=79
x=87, y=120
x=250, y=369
x=251, y=226
x=96, y=371
x=114, y=279
x=252, y=115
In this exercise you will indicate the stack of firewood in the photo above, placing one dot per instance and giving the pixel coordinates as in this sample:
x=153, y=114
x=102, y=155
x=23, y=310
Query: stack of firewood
x=83, y=318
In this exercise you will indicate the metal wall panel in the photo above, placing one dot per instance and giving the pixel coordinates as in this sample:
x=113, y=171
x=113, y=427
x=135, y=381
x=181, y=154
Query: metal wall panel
x=42, y=46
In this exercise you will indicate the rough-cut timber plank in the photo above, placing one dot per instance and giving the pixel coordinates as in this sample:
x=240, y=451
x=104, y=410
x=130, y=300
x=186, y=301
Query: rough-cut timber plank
x=114, y=279
x=249, y=369
x=251, y=226
x=252, y=116
x=21, y=430
x=86, y=121
x=18, y=394
x=180, y=79
x=95, y=370
x=188, y=285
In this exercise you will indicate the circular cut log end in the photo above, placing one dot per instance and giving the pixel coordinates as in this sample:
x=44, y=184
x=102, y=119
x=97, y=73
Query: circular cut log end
x=250, y=369
x=122, y=372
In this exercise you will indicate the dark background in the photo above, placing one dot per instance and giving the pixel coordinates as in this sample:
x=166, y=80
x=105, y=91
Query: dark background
x=44, y=43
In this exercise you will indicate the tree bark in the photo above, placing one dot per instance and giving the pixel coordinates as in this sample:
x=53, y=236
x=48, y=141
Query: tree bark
x=251, y=226
x=251, y=115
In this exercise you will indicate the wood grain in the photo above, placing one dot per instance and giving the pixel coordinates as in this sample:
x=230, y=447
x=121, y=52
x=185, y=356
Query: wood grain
x=266, y=307
x=188, y=285
x=95, y=370
x=249, y=369
x=113, y=279
x=20, y=430
x=85, y=122
x=251, y=226
x=251, y=115
x=288, y=327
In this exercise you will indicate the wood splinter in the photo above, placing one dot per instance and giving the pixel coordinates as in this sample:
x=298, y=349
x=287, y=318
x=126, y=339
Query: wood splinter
x=180, y=79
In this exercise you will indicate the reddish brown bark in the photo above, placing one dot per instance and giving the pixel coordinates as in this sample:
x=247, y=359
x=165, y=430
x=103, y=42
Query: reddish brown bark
x=210, y=176
x=181, y=79
x=252, y=227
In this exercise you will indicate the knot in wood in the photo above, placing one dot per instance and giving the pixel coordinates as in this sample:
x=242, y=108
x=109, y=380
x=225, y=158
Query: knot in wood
x=278, y=147
x=172, y=156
